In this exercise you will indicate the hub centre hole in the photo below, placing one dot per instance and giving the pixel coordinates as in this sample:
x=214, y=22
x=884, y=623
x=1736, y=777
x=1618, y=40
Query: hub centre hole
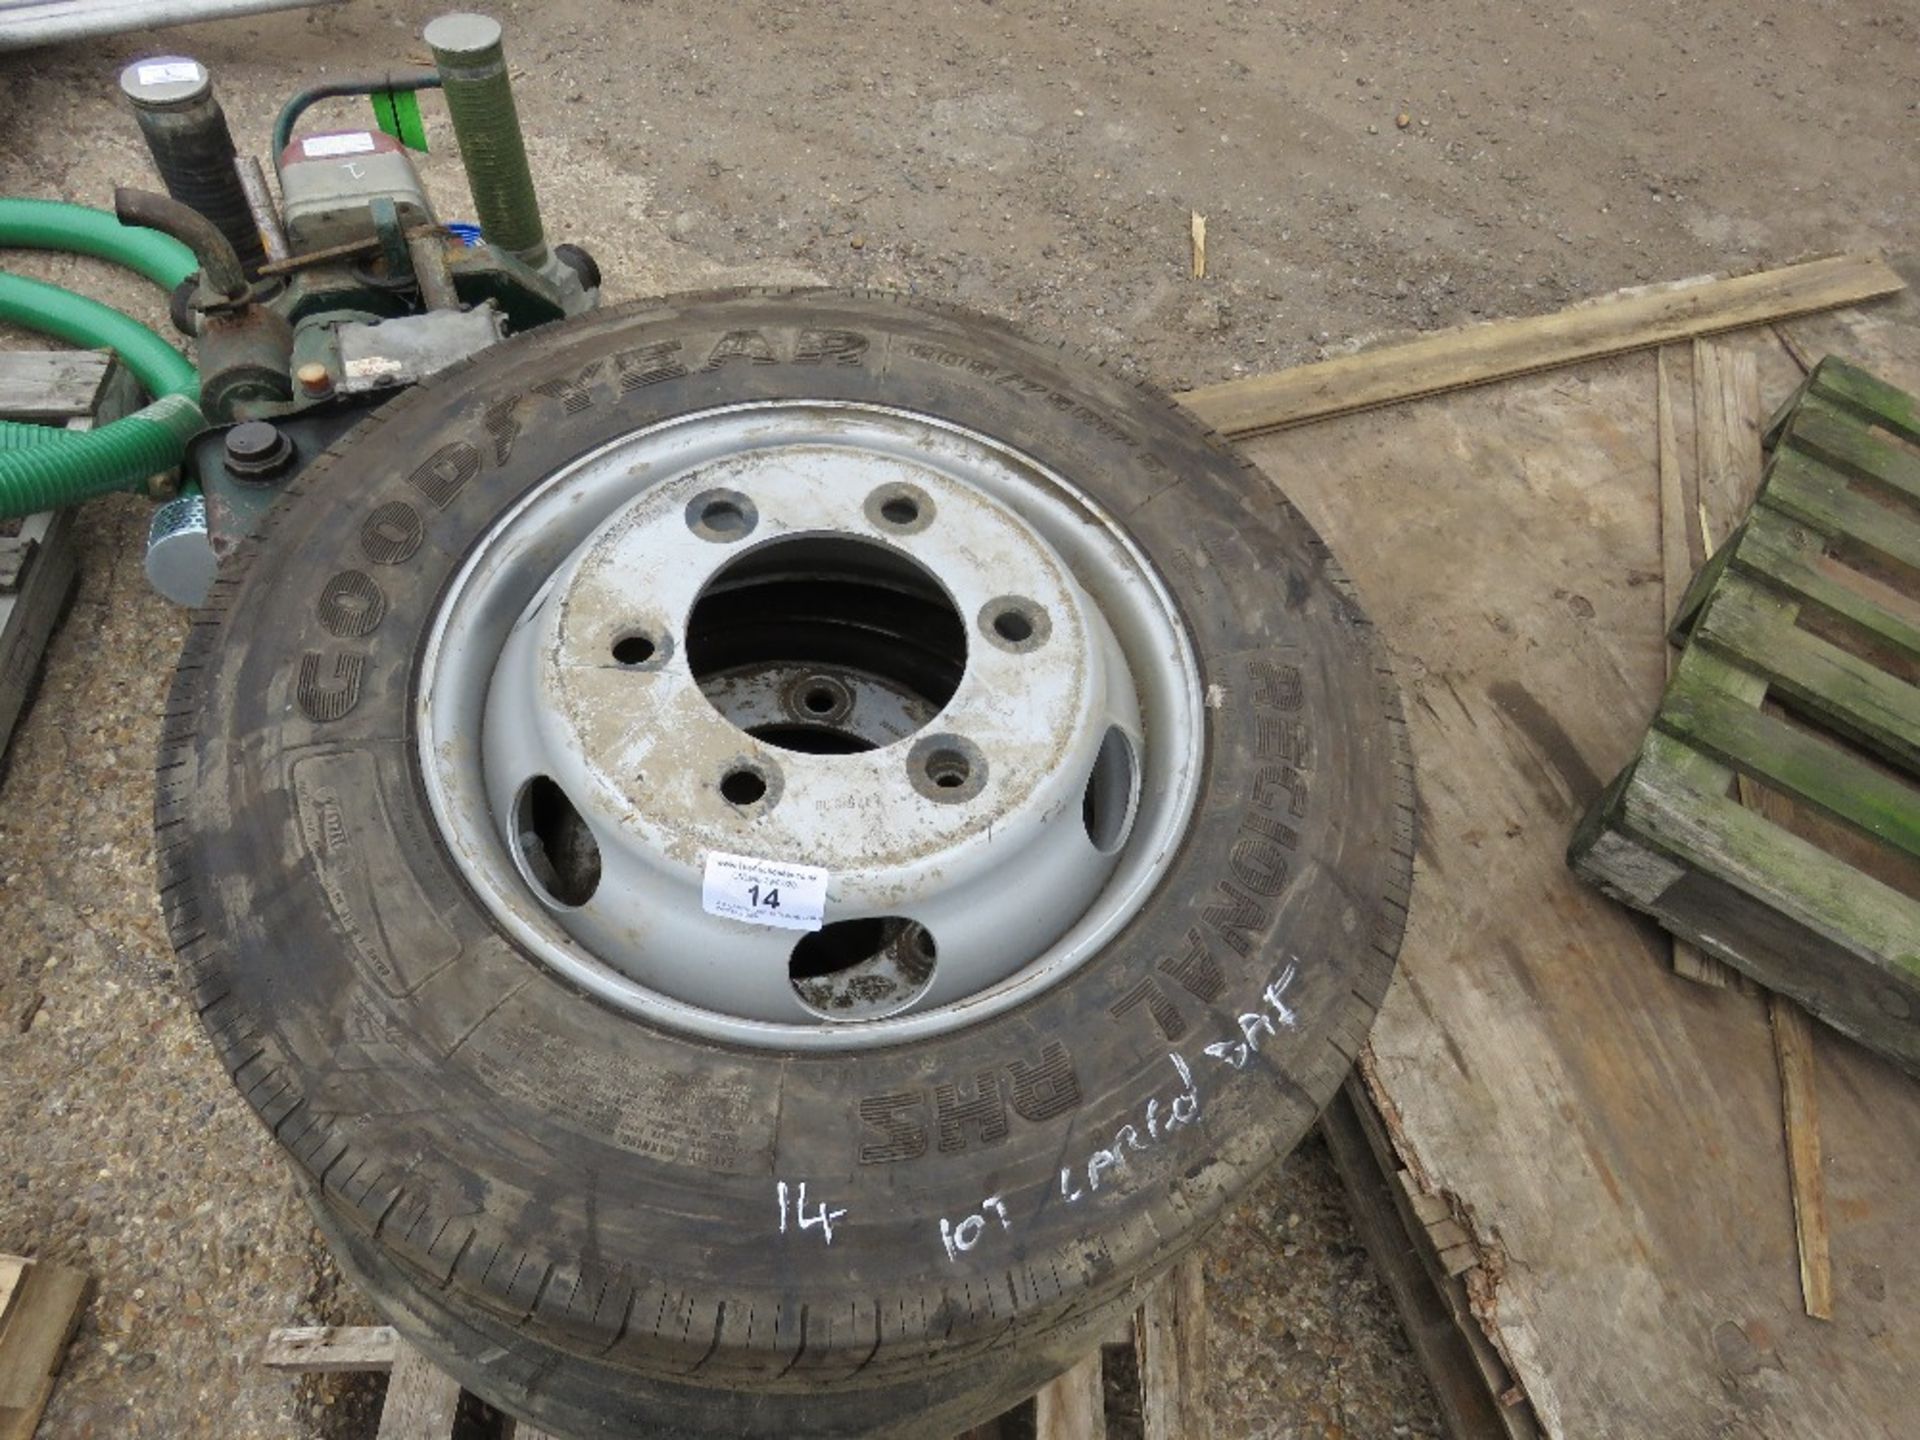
x=871, y=622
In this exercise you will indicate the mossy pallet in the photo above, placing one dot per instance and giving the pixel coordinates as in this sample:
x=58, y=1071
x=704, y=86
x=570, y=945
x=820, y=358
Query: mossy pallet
x=1797, y=695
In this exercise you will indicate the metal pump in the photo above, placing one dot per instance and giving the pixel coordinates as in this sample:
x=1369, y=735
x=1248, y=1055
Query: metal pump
x=310, y=312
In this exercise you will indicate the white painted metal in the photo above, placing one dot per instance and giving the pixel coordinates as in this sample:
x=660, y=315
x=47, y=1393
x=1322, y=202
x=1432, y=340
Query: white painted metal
x=27, y=23
x=520, y=680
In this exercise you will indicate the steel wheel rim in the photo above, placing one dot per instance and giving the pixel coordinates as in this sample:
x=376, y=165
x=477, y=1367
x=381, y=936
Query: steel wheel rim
x=1076, y=675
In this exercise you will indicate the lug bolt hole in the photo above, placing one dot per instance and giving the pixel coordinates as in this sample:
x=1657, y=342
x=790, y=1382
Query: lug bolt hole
x=634, y=649
x=1013, y=622
x=722, y=516
x=948, y=769
x=1012, y=626
x=820, y=702
x=743, y=787
x=900, y=510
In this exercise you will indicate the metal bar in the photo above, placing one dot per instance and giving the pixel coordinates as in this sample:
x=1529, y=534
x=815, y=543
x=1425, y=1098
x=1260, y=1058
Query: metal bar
x=47, y=22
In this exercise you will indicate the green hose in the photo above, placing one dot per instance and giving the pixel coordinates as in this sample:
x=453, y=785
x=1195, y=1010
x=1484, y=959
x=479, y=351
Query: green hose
x=53, y=311
x=17, y=436
x=86, y=463
x=80, y=464
x=55, y=225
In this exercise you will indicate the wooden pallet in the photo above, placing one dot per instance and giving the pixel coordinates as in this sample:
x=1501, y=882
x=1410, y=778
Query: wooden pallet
x=40, y=1308
x=1167, y=1335
x=1772, y=816
x=72, y=389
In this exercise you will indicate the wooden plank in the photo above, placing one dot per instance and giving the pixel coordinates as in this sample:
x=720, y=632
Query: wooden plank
x=1870, y=396
x=1453, y=359
x=1699, y=710
x=12, y=1270
x=1857, y=698
x=1726, y=428
x=1800, y=1114
x=1676, y=572
x=49, y=1302
x=421, y=1399
x=329, y=1349
x=52, y=386
x=1073, y=1407
x=1832, y=435
x=1535, y=1062
x=1792, y=558
x=1802, y=487
x=1171, y=1337
x=1393, y=1220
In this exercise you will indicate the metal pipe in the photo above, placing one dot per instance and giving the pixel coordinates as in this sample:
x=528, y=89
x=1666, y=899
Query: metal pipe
x=291, y=112
x=473, y=73
x=46, y=22
x=430, y=268
x=192, y=148
x=266, y=219
x=220, y=269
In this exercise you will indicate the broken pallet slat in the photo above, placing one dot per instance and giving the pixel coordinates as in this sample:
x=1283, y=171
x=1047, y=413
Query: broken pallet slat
x=330, y=1349
x=1800, y=1118
x=1474, y=355
x=1171, y=1339
x=1073, y=1407
x=43, y=1311
x=422, y=1399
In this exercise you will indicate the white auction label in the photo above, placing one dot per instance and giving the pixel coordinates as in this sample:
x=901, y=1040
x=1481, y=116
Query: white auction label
x=764, y=892
x=320, y=147
x=171, y=72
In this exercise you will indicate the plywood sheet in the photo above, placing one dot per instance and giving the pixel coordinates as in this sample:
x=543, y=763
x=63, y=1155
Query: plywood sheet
x=1610, y=1132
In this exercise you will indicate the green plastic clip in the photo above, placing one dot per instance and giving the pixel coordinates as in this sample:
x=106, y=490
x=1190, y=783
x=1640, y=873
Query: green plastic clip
x=397, y=113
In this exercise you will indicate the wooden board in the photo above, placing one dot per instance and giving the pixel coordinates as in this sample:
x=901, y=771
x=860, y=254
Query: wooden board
x=42, y=1310
x=1478, y=354
x=1610, y=1134
x=421, y=1399
x=38, y=566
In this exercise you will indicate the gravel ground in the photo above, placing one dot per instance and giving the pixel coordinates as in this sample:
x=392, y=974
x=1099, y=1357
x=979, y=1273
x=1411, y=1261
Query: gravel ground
x=1036, y=161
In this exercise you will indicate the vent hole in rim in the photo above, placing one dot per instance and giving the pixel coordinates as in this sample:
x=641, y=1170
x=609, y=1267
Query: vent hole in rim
x=555, y=846
x=862, y=969
x=1112, y=793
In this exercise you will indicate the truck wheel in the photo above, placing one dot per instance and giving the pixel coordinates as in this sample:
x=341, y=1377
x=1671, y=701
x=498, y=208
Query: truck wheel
x=771, y=858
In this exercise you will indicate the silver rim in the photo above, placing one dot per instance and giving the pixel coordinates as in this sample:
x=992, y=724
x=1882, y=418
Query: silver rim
x=771, y=659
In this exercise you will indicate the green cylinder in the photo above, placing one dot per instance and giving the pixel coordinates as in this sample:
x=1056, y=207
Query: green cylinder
x=16, y=435
x=55, y=225
x=473, y=76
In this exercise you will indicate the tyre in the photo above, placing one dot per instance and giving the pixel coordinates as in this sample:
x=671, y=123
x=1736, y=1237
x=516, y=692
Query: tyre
x=772, y=858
